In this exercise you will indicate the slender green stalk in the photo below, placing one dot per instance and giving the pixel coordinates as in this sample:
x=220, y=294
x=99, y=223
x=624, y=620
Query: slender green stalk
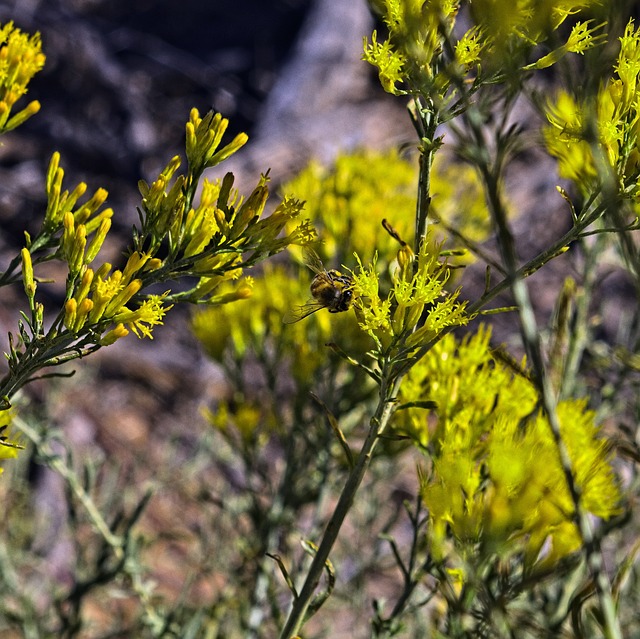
x=581, y=331
x=425, y=121
x=56, y=463
x=379, y=422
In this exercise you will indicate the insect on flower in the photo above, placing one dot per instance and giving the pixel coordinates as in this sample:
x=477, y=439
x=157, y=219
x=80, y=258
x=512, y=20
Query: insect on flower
x=330, y=289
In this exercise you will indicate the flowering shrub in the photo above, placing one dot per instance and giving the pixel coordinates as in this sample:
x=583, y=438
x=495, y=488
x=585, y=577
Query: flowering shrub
x=517, y=487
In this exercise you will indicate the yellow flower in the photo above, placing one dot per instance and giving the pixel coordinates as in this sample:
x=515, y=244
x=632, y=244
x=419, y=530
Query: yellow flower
x=497, y=479
x=613, y=115
x=8, y=446
x=150, y=313
x=21, y=58
x=204, y=135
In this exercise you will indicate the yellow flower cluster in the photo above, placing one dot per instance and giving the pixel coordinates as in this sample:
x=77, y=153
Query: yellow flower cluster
x=415, y=56
x=21, y=58
x=62, y=211
x=496, y=482
x=613, y=116
x=211, y=238
x=348, y=201
x=8, y=447
x=415, y=39
x=417, y=306
x=95, y=298
x=204, y=135
x=100, y=298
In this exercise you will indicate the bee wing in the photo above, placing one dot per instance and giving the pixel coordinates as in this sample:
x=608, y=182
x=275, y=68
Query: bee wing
x=312, y=260
x=300, y=312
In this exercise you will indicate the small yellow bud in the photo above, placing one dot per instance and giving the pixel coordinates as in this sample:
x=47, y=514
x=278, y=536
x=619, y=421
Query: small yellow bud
x=114, y=334
x=27, y=274
x=102, y=272
x=191, y=140
x=84, y=308
x=94, y=223
x=22, y=116
x=68, y=235
x=244, y=292
x=69, y=200
x=97, y=241
x=153, y=264
x=89, y=208
x=237, y=143
x=70, y=311
x=52, y=172
x=85, y=286
x=134, y=264
x=76, y=259
x=405, y=261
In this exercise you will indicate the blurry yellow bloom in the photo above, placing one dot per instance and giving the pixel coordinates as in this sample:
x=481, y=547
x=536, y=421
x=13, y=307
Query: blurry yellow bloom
x=614, y=117
x=8, y=446
x=565, y=140
x=349, y=200
x=505, y=22
x=497, y=478
x=469, y=47
x=241, y=291
x=252, y=423
x=390, y=63
x=258, y=323
x=21, y=58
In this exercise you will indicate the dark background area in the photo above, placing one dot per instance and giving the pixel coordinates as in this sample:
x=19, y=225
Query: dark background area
x=121, y=77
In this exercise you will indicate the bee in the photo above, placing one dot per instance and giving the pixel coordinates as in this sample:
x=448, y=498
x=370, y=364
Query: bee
x=330, y=289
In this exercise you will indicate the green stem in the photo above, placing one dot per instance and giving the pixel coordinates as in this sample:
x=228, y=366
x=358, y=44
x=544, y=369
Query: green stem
x=580, y=332
x=379, y=422
x=425, y=121
x=55, y=462
x=117, y=543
